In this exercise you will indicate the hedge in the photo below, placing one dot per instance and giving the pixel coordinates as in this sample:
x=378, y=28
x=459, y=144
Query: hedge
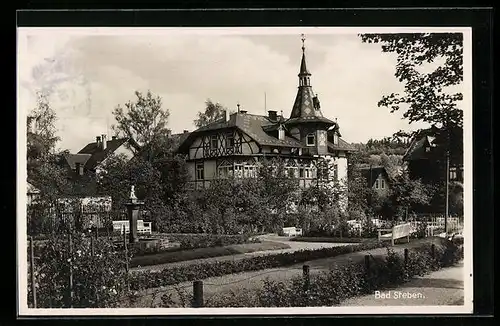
x=333, y=287
x=174, y=275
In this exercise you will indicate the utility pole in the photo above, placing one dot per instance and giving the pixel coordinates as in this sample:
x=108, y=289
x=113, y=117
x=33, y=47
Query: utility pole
x=447, y=207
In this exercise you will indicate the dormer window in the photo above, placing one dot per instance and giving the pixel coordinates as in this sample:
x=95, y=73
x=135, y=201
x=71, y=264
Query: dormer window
x=427, y=149
x=281, y=133
x=310, y=140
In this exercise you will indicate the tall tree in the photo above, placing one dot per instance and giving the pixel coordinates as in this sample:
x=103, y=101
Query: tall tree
x=41, y=130
x=145, y=121
x=213, y=111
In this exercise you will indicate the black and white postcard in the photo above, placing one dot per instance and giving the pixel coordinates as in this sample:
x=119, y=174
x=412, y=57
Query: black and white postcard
x=288, y=171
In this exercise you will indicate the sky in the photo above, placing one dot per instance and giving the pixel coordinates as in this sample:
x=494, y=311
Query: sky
x=88, y=72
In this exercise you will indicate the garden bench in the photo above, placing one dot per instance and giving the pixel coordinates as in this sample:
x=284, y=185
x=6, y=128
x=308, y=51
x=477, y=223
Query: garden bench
x=142, y=227
x=396, y=232
x=292, y=231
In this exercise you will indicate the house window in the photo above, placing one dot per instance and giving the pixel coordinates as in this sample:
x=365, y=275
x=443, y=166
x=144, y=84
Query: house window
x=225, y=171
x=310, y=140
x=453, y=173
x=301, y=172
x=427, y=149
x=213, y=141
x=382, y=184
x=376, y=184
x=200, y=171
x=230, y=140
x=238, y=170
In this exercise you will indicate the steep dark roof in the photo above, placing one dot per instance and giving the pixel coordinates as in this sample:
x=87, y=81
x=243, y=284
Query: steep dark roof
x=72, y=159
x=375, y=171
x=416, y=150
x=256, y=126
x=97, y=155
x=253, y=125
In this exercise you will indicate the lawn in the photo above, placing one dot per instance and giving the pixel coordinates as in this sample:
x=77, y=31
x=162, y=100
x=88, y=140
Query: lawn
x=200, y=253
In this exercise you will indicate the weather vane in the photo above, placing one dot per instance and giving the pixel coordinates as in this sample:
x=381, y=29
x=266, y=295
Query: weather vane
x=303, y=38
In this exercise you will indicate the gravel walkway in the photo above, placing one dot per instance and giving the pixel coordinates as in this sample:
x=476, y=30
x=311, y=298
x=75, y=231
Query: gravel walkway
x=442, y=287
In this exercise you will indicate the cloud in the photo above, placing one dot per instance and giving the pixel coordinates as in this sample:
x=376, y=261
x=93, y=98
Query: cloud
x=91, y=74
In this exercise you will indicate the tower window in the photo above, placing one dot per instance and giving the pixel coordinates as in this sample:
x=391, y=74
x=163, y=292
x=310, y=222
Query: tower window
x=382, y=184
x=310, y=140
x=376, y=184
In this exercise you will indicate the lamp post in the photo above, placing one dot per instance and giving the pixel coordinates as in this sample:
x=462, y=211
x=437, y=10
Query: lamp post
x=133, y=207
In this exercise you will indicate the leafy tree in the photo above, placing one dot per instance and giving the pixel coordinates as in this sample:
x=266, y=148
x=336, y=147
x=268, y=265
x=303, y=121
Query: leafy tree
x=118, y=175
x=213, y=112
x=406, y=193
x=427, y=94
x=144, y=121
x=279, y=188
x=41, y=130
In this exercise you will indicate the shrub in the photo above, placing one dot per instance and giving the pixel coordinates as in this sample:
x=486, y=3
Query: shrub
x=97, y=279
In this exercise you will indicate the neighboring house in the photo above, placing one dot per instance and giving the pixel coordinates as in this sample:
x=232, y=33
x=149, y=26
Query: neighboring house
x=93, y=155
x=376, y=178
x=236, y=144
x=426, y=159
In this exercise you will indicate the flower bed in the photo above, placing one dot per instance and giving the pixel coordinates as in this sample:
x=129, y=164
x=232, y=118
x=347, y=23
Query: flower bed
x=173, y=275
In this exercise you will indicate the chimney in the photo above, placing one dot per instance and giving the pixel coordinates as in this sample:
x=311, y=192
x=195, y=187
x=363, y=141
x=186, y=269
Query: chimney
x=98, y=141
x=186, y=131
x=104, y=143
x=113, y=137
x=227, y=115
x=273, y=115
x=243, y=111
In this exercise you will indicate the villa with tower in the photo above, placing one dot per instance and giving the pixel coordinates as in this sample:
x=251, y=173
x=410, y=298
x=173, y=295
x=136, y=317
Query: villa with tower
x=238, y=143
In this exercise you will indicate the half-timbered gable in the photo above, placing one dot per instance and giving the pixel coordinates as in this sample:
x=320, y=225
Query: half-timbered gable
x=235, y=145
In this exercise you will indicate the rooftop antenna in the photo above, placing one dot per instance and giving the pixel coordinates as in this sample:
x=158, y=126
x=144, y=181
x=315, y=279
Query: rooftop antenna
x=238, y=105
x=265, y=102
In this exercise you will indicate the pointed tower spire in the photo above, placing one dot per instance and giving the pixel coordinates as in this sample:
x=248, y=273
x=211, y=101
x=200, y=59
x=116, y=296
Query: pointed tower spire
x=306, y=107
x=303, y=67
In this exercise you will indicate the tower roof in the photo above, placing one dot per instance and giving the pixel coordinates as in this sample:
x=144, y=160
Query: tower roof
x=306, y=107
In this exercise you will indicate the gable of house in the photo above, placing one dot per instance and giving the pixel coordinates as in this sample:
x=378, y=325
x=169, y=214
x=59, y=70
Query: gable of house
x=96, y=154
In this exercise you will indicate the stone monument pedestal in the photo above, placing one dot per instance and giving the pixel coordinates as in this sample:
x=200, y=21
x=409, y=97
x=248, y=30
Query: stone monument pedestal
x=133, y=209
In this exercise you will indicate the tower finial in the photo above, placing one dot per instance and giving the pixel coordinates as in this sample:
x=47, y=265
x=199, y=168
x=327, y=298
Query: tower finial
x=303, y=38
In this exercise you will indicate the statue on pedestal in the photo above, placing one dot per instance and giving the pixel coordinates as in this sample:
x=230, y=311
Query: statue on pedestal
x=132, y=192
